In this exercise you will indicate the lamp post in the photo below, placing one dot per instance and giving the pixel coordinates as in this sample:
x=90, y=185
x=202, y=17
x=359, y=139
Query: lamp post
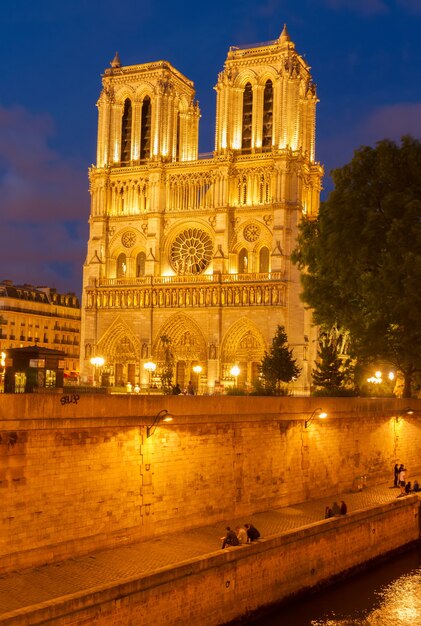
x=320, y=414
x=162, y=416
x=97, y=362
x=197, y=369
x=150, y=367
x=235, y=371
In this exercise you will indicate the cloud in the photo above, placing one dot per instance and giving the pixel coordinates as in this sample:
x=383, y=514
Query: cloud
x=44, y=204
x=364, y=7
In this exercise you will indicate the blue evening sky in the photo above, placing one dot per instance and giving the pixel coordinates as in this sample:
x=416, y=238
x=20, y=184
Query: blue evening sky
x=365, y=57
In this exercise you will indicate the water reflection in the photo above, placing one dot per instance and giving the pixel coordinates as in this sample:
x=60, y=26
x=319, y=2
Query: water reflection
x=386, y=595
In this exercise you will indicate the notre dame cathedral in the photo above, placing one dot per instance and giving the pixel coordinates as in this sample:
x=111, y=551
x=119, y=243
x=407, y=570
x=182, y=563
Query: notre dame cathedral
x=195, y=249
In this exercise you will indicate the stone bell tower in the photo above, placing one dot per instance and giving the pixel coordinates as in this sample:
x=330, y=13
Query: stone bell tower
x=189, y=253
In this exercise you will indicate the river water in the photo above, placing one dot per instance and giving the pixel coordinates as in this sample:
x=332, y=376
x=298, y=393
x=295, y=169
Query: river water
x=388, y=594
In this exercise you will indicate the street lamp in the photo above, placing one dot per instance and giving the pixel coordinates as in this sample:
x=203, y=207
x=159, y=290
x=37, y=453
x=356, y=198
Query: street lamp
x=406, y=411
x=163, y=416
x=97, y=362
x=197, y=369
x=320, y=414
x=150, y=366
x=235, y=370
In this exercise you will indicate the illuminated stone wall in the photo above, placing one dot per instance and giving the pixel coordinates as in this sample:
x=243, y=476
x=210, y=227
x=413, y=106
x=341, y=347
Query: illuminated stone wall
x=228, y=584
x=76, y=477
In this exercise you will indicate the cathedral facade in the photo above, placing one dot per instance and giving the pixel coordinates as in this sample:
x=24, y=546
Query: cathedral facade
x=192, y=252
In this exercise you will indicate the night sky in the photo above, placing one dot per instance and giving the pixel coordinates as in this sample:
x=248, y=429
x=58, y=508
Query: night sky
x=365, y=57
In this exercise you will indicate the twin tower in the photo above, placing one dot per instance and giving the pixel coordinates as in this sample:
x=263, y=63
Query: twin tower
x=189, y=257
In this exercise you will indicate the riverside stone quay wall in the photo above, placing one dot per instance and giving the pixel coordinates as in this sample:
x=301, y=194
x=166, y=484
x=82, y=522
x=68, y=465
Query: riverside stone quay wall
x=227, y=584
x=77, y=475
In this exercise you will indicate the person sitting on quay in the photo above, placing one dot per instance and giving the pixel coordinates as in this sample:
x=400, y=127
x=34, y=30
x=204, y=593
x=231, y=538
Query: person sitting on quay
x=176, y=390
x=252, y=533
x=344, y=508
x=241, y=534
x=328, y=512
x=230, y=539
x=408, y=488
x=336, y=509
x=416, y=486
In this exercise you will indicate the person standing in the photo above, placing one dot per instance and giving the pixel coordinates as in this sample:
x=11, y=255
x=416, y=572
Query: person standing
x=402, y=474
x=190, y=389
x=396, y=472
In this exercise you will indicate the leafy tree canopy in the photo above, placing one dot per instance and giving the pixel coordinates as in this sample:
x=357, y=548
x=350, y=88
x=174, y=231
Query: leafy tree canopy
x=332, y=370
x=362, y=258
x=278, y=366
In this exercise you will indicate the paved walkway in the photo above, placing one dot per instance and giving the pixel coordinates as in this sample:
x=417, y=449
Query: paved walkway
x=46, y=583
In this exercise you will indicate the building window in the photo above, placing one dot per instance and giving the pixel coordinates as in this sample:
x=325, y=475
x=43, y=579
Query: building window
x=247, y=119
x=242, y=261
x=126, y=132
x=140, y=264
x=145, y=129
x=267, y=117
x=121, y=265
x=178, y=137
x=242, y=190
x=264, y=260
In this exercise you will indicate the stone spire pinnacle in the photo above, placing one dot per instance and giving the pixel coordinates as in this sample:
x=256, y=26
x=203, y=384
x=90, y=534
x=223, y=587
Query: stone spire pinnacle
x=284, y=35
x=116, y=61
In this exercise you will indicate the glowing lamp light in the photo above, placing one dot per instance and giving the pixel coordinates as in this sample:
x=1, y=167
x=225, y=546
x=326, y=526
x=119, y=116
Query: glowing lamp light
x=197, y=369
x=235, y=370
x=150, y=366
x=162, y=416
x=376, y=379
x=317, y=412
x=97, y=361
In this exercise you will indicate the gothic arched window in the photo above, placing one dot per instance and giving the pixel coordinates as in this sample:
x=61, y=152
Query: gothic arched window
x=126, y=132
x=177, y=149
x=242, y=261
x=264, y=260
x=267, y=116
x=145, y=129
x=247, y=118
x=140, y=264
x=121, y=265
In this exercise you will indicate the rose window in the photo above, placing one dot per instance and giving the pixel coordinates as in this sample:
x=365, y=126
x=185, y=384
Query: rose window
x=251, y=232
x=128, y=239
x=191, y=251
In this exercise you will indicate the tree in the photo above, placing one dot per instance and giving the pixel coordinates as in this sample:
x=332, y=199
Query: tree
x=278, y=366
x=361, y=256
x=332, y=370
